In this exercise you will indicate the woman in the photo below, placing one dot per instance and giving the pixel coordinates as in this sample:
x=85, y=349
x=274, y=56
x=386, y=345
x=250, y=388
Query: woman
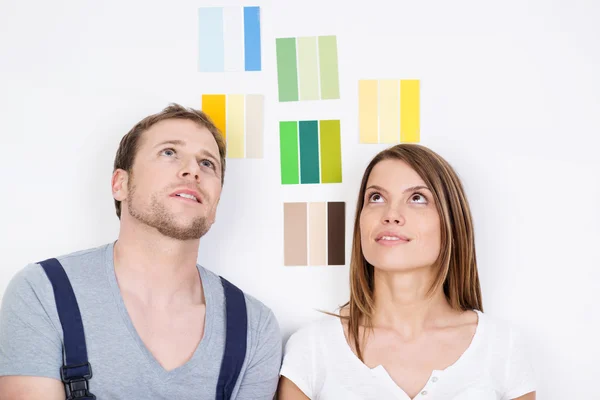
x=414, y=326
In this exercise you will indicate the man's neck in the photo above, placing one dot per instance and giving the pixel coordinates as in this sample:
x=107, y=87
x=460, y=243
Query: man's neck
x=159, y=271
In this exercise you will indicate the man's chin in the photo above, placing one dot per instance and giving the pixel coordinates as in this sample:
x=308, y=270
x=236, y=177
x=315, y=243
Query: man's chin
x=183, y=232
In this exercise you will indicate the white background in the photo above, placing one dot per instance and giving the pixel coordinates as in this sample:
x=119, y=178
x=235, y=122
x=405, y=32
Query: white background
x=510, y=96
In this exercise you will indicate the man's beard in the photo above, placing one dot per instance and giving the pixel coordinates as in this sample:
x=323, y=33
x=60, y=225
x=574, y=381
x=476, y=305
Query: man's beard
x=158, y=217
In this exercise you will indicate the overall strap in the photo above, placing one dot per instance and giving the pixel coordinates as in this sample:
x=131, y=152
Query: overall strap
x=76, y=370
x=235, y=340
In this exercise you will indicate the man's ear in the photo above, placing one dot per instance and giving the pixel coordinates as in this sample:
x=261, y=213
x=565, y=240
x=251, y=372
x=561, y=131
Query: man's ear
x=119, y=184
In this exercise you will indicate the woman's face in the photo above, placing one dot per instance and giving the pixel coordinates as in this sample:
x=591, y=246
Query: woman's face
x=399, y=222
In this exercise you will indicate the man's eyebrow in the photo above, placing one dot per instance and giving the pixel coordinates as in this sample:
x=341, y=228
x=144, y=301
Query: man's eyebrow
x=173, y=142
x=205, y=152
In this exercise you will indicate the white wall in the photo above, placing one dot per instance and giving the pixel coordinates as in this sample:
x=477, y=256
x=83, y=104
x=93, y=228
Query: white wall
x=510, y=96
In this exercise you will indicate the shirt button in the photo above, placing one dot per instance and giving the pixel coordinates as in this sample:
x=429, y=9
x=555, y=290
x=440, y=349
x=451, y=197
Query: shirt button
x=434, y=379
x=424, y=393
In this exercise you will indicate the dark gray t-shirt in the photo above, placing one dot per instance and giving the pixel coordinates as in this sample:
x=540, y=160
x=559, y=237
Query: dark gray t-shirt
x=123, y=368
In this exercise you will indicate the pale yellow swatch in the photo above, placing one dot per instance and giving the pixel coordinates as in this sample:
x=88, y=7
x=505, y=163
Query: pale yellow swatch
x=389, y=111
x=235, y=126
x=367, y=111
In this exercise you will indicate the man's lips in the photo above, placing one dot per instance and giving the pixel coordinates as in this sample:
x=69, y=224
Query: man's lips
x=187, y=194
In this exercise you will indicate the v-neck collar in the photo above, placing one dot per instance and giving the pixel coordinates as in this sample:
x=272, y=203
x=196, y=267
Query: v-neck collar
x=153, y=365
x=384, y=377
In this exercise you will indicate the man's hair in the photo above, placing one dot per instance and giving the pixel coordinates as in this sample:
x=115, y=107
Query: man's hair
x=131, y=141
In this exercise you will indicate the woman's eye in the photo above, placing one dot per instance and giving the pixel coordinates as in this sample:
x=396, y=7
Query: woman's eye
x=419, y=198
x=375, y=198
x=168, y=152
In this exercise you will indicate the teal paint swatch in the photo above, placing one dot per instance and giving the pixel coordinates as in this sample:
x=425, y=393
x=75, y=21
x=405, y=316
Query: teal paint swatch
x=309, y=151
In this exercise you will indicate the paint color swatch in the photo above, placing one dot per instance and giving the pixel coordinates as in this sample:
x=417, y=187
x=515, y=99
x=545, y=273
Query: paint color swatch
x=307, y=68
x=240, y=119
x=389, y=111
x=229, y=39
x=314, y=233
x=310, y=152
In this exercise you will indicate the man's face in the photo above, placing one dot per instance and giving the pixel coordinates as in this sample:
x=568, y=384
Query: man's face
x=175, y=182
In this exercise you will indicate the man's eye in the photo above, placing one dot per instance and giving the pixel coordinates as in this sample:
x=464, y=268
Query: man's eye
x=207, y=163
x=168, y=152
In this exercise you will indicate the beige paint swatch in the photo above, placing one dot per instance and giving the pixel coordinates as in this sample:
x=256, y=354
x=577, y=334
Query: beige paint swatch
x=317, y=227
x=295, y=234
x=255, y=109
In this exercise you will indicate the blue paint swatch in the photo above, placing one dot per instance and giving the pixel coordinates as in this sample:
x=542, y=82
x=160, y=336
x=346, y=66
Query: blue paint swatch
x=252, y=50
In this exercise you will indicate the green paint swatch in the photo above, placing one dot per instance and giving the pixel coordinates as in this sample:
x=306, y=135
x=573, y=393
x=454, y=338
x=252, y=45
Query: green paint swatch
x=308, y=70
x=331, y=151
x=328, y=67
x=309, y=151
x=287, y=74
x=288, y=149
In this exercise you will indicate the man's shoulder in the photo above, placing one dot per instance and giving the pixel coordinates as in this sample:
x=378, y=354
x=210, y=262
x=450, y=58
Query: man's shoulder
x=261, y=318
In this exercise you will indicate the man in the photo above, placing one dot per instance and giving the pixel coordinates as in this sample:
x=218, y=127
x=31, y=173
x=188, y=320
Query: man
x=156, y=325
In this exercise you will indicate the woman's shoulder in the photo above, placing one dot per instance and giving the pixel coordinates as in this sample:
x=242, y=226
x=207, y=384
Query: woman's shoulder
x=321, y=328
x=496, y=329
x=508, y=355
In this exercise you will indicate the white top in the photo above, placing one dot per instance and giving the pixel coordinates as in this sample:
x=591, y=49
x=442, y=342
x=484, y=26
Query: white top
x=320, y=362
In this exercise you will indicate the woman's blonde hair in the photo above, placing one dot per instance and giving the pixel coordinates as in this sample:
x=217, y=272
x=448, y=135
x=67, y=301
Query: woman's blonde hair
x=456, y=263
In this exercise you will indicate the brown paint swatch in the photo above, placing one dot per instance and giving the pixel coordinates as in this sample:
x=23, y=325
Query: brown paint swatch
x=295, y=234
x=317, y=231
x=336, y=233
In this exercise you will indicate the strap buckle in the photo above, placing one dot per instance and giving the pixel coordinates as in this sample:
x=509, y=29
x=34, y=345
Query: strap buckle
x=76, y=387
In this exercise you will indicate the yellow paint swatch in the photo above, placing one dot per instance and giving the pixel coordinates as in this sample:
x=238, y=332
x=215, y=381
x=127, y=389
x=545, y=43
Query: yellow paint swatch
x=367, y=111
x=410, y=124
x=214, y=106
x=389, y=111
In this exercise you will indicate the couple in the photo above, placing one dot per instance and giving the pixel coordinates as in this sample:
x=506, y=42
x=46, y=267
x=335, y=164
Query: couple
x=139, y=319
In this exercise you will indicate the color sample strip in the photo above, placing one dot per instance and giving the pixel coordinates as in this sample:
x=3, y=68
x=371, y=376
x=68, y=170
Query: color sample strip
x=295, y=234
x=211, y=43
x=235, y=126
x=214, y=106
x=233, y=34
x=331, y=151
x=287, y=74
x=367, y=111
x=288, y=151
x=328, y=67
x=389, y=111
x=255, y=111
x=336, y=233
x=317, y=231
x=252, y=47
x=309, y=151
x=307, y=68
x=410, y=126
